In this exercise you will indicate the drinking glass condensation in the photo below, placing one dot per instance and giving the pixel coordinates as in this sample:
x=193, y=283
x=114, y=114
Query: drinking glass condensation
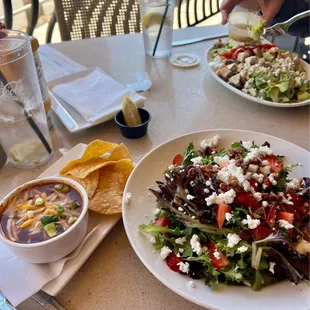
x=152, y=14
x=24, y=132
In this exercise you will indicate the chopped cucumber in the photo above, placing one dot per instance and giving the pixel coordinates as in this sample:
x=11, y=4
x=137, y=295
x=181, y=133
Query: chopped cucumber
x=303, y=95
x=59, y=186
x=65, y=189
x=72, y=220
x=39, y=202
x=75, y=205
x=46, y=219
x=51, y=229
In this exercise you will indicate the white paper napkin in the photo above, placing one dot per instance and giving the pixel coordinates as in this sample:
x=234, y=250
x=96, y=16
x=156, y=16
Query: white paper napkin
x=19, y=280
x=96, y=95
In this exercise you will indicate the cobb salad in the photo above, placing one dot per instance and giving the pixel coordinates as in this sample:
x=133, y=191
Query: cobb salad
x=232, y=215
x=261, y=70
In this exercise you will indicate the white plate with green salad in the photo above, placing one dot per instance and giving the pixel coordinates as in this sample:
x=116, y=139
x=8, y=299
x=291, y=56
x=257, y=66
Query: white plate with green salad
x=221, y=217
x=260, y=72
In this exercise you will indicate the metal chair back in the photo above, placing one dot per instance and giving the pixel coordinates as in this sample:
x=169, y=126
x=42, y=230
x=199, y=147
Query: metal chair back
x=80, y=19
x=197, y=11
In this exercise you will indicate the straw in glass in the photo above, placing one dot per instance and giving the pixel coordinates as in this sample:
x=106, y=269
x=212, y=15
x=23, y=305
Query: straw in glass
x=161, y=27
x=28, y=117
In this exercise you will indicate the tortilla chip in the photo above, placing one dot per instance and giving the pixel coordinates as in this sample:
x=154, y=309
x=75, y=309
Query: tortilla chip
x=90, y=183
x=123, y=166
x=120, y=152
x=94, y=150
x=82, y=170
x=109, y=194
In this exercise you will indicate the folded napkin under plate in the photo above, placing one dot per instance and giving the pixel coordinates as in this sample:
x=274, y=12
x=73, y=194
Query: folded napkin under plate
x=89, y=97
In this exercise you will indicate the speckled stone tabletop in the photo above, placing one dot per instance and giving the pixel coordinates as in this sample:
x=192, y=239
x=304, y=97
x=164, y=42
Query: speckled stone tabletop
x=180, y=101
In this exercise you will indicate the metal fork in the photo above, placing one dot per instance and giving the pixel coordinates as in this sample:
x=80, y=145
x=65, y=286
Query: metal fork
x=280, y=29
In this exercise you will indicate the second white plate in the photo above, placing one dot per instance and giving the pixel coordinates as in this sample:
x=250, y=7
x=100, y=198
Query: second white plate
x=208, y=58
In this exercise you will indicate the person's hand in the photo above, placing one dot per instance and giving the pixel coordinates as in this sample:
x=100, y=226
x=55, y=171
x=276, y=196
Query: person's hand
x=270, y=8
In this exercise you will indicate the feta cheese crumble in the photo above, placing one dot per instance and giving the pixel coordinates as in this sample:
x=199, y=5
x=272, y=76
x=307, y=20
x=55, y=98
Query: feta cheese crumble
x=184, y=267
x=232, y=170
x=192, y=183
x=164, y=252
x=227, y=198
x=232, y=240
x=253, y=168
x=265, y=204
x=195, y=244
x=180, y=209
x=152, y=239
x=271, y=267
x=285, y=224
x=181, y=250
x=272, y=179
x=190, y=197
x=257, y=153
x=128, y=198
x=228, y=216
x=252, y=223
x=157, y=210
x=247, y=144
x=180, y=240
x=265, y=170
x=210, y=142
x=242, y=249
x=294, y=184
x=171, y=167
x=221, y=161
x=258, y=177
x=197, y=160
x=216, y=254
x=191, y=284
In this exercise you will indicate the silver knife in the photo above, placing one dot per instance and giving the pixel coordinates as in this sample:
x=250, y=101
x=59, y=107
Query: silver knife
x=46, y=301
x=200, y=39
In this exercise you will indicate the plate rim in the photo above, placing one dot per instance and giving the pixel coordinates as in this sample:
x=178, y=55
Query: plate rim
x=124, y=206
x=247, y=96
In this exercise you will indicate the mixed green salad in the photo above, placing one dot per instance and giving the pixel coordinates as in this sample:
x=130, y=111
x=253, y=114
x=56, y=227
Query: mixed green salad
x=261, y=70
x=232, y=216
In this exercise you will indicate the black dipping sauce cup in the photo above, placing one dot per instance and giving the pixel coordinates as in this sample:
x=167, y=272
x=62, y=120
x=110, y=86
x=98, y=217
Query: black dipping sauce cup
x=136, y=131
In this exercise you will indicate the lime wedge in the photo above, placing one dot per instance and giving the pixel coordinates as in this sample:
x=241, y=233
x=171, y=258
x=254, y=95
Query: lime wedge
x=131, y=113
x=151, y=19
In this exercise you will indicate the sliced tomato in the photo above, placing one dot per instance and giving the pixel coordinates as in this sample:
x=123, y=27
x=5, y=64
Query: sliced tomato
x=236, y=53
x=275, y=165
x=172, y=262
x=177, y=160
x=218, y=261
x=255, y=185
x=246, y=199
x=271, y=216
x=261, y=232
x=226, y=55
x=267, y=46
x=298, y=200
x=267, y=183
x=289, y=217
x=222, y=209
x=162, y=221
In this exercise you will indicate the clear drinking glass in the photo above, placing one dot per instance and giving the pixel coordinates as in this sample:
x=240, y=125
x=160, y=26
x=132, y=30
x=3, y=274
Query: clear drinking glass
x=157, y=23
x=24, y=132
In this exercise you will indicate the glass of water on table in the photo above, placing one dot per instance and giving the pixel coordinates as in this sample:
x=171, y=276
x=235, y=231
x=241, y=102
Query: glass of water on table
x=24, y=132
x=157, y=23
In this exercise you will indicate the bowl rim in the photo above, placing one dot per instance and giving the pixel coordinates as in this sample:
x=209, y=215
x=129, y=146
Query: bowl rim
x=32, y=183
x=139, y=126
